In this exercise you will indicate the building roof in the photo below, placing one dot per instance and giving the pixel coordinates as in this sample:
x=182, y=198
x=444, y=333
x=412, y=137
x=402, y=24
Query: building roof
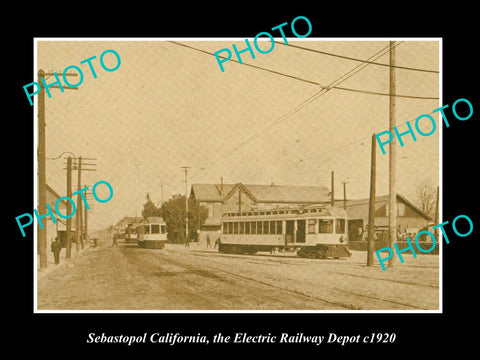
x=263, y=193
x=356, y=208
x=52, y=198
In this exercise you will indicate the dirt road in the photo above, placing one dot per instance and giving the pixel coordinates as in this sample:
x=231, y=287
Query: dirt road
x=177, y=278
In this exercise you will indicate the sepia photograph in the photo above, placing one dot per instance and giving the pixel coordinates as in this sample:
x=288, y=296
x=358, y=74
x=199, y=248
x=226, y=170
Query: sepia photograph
x=263, y=174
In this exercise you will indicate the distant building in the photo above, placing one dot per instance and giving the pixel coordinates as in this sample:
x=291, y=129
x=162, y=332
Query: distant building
x=58, y=229
x=410, y=219
x=127, y=220
x=221, y=198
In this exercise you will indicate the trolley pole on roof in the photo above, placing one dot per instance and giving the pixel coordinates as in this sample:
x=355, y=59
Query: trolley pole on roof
x=332, y=200
x=185, y=168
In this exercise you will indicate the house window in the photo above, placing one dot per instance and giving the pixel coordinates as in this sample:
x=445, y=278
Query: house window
x=211, y=209
x=325, y=226
x=311, y=226
x=339, y=226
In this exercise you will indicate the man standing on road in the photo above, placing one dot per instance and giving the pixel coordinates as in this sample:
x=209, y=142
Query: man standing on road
x=56, y=248
x=208, y=242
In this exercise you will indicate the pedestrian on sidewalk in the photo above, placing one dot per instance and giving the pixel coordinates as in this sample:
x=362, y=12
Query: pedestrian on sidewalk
x=56, y=248
x=114, y=243
x=209, y=245
x=187, y=242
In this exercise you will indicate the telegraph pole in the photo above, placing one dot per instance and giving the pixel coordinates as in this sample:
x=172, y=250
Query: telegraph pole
x=344, y=195
x=69, y=208
x=436, y=214
x=371, y=208
x=80, y=166
x=392, y=197
x=185, y=168
x=42, y=177
x=42, y=182
x=78, y=235
x=161, y=199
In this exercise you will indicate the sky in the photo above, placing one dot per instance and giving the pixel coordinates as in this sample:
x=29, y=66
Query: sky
x=169, y=106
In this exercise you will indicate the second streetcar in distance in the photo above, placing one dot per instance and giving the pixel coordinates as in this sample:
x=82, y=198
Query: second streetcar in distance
x=314, y=231
x=152, y=233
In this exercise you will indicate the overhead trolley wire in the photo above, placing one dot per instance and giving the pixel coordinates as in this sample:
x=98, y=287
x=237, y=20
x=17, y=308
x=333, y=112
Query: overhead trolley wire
x=360, y=60
x=367, y=92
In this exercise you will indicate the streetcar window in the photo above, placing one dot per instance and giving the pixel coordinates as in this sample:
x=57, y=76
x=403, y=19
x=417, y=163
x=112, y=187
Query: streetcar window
x=147, y=229
x=311, y=226
x=272, y=227
x=241, y=229
x=279, y=227
x=225, y=228
x=259, y=227
x=155, y=229
x=253, y=227
x=163, y=229
x=325, y=226
x=247, y=227
x=230, y=227
x=265, y=227
x=235, y=227
x=339, y=226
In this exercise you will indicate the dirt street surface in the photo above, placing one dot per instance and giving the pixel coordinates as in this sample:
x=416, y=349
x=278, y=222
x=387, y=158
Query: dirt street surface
x=127, y=277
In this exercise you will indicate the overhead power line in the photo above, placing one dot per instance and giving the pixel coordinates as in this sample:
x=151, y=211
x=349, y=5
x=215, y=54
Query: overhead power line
x=367, y=92
x=356, y=59
x=319, y=93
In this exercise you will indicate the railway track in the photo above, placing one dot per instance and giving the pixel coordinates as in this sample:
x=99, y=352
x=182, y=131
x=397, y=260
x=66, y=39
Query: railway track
x=356, y=296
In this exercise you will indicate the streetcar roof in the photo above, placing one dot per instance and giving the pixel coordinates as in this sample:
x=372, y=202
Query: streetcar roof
x=305, y=211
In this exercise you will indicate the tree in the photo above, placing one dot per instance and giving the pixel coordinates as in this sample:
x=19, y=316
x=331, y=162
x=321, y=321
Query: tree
x=427, y=198
x=173, y=211
x=149, y=208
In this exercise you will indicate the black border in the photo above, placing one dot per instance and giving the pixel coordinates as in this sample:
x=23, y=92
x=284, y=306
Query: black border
x=416, y=333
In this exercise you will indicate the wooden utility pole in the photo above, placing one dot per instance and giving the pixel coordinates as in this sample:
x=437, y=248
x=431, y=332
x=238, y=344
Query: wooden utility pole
x=42, y=183
x=80, y=166
x=437, y=215
x=371, y=208
x=41, y=159
x=344, y=195
x=78, y=235
x=185, y=168
x=392, y=197
x=332, y=200
x=69, y=209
